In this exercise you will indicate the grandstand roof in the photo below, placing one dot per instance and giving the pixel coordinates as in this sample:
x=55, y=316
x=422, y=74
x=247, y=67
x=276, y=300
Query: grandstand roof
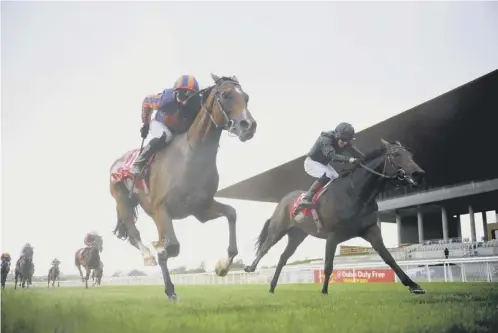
x=451, y=136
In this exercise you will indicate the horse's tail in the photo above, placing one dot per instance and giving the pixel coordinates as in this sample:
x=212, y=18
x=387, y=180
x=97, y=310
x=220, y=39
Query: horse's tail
x=263, y=235
x=121, y=231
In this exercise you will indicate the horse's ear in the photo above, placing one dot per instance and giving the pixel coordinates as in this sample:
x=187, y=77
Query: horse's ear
x=235, y=79
x=398, y=143
x=385, y=143
x=216, y=78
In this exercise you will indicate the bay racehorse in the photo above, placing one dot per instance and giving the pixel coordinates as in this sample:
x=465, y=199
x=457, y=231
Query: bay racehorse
x=24, y=268
x=89, y=258
x=347, y=209
x=183, y=178
x=53, y=274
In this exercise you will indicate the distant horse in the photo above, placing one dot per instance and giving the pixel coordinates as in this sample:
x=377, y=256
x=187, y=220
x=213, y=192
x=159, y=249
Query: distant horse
x=347, y=209
x=89, y=258
x=24, y=268
x=5, y=268
x=183, y=178
x=53, y=274
x=97, y=274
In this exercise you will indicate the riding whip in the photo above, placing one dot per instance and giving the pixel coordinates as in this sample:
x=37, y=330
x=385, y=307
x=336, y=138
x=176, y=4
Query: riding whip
x=130, y=195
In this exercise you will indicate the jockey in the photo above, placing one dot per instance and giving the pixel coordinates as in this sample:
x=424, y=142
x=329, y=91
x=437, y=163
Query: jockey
x=171, y=106
x=6, y=256
x=24, y=248
x=55, y=262
x=329, y=148
x=90, y=238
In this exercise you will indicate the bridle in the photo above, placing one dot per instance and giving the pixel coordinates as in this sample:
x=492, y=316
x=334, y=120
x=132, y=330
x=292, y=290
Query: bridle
x=399, y=173
x=229, y=124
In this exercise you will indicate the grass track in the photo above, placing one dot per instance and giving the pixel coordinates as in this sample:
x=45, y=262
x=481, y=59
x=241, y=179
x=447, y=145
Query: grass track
x=358, y=308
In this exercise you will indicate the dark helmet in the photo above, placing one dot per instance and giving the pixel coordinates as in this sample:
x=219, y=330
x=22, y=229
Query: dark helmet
x=344, y=131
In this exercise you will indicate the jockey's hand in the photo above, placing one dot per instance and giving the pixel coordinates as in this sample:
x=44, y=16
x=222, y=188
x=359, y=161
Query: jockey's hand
x=144, y=131
x=354, y=161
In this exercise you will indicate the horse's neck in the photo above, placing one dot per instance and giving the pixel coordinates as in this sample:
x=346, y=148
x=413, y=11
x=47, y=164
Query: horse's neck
x=204, y=136
x=366, y=184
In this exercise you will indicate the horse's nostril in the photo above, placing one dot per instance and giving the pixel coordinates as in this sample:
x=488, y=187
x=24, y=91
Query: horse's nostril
x=244, y=124
x=418, y=176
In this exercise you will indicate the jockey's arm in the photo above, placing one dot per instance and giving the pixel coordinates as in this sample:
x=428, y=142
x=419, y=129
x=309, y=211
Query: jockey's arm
x=355, y=152
x=329, y=150
x=155, y=102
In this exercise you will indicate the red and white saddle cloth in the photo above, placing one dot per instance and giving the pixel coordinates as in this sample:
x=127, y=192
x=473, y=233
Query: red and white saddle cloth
x=294, y=209
x=122, y=173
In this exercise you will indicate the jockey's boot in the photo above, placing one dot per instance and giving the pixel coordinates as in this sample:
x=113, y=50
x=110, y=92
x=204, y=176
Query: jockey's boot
x=153, y=147
x=307, y=199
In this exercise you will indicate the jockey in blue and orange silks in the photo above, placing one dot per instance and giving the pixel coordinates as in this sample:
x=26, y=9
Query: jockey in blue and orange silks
x=176, y=108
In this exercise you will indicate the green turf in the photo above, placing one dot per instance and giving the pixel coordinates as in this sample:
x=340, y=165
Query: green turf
x=350, y=308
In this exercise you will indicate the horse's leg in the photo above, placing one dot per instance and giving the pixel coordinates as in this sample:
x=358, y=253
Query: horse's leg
x=78, y=266
x=58, y=280
x=166, y=233
x=330, y=248
x=373, y=235
x=167, y=247
x=296, y=237
x=126, y=215
x=215, y=210
x=87, y=269
x=168, y=283
x=15, y=279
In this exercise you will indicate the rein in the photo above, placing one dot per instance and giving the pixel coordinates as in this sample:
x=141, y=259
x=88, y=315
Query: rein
x=399, y=174
x=229, y=124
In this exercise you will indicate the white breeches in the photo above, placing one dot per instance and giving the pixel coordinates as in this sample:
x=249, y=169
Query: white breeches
x=317, y=170
x=157, y=129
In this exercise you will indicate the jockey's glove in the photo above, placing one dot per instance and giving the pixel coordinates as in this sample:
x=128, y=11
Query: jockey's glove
x=353, y=160
x=144, y=131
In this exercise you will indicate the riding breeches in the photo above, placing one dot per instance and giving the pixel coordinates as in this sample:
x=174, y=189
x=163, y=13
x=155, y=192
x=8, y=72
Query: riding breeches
x=316, y=169
x=157, y=129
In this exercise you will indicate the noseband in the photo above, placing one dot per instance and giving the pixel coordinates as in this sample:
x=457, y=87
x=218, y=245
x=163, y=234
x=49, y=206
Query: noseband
x=399, y=173
x=229, y=125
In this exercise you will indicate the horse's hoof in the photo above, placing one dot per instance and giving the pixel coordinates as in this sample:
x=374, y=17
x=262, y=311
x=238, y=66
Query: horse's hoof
x=222, y=267
x=150, y=261
x=159, y=246
x=325, y=292
x=416, y=289
x=248, y=269
x=173, y=298
x=271, y=291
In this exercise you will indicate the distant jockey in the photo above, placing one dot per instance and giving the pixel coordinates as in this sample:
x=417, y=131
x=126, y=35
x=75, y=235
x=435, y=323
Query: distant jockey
x=176, y=108
x=6, y=257
x=90, y=238
x=25, y=248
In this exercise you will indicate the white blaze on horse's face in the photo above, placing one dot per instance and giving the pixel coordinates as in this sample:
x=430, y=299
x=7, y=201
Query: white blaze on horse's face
x=234, y=103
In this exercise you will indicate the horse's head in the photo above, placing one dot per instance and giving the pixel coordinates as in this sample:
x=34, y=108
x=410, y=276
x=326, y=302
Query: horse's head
x=230, y=108
x=400, y=164
x=98, y=243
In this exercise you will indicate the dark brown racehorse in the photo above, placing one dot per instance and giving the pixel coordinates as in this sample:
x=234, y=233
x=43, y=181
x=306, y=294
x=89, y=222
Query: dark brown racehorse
x=184, y=178
x=24, y=269
x=97, y=274
x=5, y=269
x=89, y=258
x=347, y=209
